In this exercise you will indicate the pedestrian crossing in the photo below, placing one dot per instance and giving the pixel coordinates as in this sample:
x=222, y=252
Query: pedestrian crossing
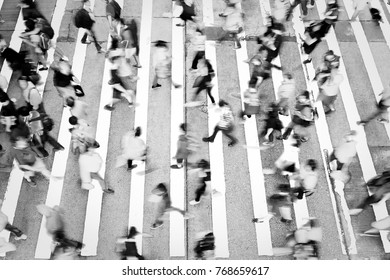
x=234, y=178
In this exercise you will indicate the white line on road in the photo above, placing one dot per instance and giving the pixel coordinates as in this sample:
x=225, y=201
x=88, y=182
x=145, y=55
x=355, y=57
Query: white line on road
x=364, y=154
x=177, y=180
x=137, y=190
x=216, y=154
x=16, y=175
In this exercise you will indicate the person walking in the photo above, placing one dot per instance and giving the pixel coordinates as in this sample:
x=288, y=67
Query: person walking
x=233, y=24
x=163, y=202
x=85, y=18
x=295, y=3
x=343, y=154
x=186, y=145
x=306, y=179
x=128, y=40
x=113, y=12
x=31, y=94
x=204, y=175
x=5, y=225
x=252, y=103
x=359, y=6
x=90, y=164
x=379, y=193
x=303, y=117
x=63, y=79
x=133, y=148
x=162, y=64
x=225, y=124
x=381, y=114
x=286, y=93
x=203, y=81
x=329, y=90
x=205, y=246
x=272, y=124
x=129, y=245
x=198, y=42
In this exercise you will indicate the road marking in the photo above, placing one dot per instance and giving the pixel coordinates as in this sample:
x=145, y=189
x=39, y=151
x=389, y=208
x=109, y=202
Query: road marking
x=365, y=50
x=43, y=248
x=137, y=190
x=95, y=196
x=177, y=184
x=218, y=200
x=364, y=154
x=14, y=185
x=325, y=143
x=16, y=175
x=259, y=197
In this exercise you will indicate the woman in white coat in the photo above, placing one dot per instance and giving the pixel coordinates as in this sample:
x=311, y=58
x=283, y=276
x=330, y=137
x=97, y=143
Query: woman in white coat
x=133, y=148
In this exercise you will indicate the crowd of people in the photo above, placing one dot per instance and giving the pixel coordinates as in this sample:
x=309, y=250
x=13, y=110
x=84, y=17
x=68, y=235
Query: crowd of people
x=28, y=125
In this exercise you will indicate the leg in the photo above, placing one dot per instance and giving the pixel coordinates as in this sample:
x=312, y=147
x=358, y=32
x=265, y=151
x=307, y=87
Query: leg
x=97, y=177
x=93, y=35
x=208, y=90
x=228, y=134
x=304, y=7
x=13, y=229
x=288, y=131
x=155, y=80
x=355, y=14
x=200, y=191
x=177, y=209
x=84, y=38
x=212, y=137
x=377, y=113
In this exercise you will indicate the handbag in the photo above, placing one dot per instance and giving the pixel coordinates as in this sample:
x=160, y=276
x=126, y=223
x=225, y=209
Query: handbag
x=78, y=90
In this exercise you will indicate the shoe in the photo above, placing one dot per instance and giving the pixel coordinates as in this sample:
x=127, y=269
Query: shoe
x=178, y=86
x=132, y=167
x=101, y=51
x=175, y=166
x=256, y=220
x=109, y=108
x=131, y=105
x=194, y=202
x=222, y=15
x=231, y=144
x=32, y=183
x=137, y=66
x=111, y=82
x=206, y=139
x=310, y=6
x=361, y=123
x=192, y=69
x=86, y=42
x=58, y=149
x=307, y=61
x=236, y=47
x=109, y=191
x=156, y=86
x=180, y=25
x=156, y=225
x=381, y=120
x=43, y=68
x=2, y=21
x=22, y=237
x=304, y=139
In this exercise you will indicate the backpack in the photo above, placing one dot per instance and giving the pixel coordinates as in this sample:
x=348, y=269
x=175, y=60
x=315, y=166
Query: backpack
x=46, y=28
x=82, y=19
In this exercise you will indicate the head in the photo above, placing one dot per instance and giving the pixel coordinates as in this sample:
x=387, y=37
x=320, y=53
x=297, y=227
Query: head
x=4, y=99
x=161, y=44
x=222, y=103
x=137, y=132
x=161, y=189
x=351, y=136
x=73, y=120
x=183, y=127
x=132, y=232
x=3, y=43
x=305, y=95
x=70, y=101
x=311, y=164
x=287, y=76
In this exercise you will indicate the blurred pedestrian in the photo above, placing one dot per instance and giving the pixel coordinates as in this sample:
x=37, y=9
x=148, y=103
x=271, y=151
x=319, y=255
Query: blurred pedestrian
x=306, y=179
x=133, y=148
x=233, y=24
x=63, y=79
x=272, y=124
x=225, y=124
x=381, y=113
x=163, y=202
x=379, y=193
x=359, y=6
x=186, y=145
x=294, y=4
x=205, y=246
x=162, y=64
x=30, y=94
x=203, y=81
x=198, y=41
x=286, y=93
x=128, y=35
x=5, y=225
x=90, y=163
x=204, y=178
x=128, y=245
x=77, y=108
x=113, y=12
x=8, y=113
x=85, y=18
x=343, y=154
x=329, y=90
x=252, y=103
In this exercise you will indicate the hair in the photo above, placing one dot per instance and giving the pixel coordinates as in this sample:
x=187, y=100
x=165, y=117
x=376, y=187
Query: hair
x=114, y=43
x=306, y=94
x=132, y=232
x=288, y=76
x=312, y=163
x=70, y=101
x=73, y=120
x=162, y=187
x=137, y=131
x=222, y=103
x=183, y=127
